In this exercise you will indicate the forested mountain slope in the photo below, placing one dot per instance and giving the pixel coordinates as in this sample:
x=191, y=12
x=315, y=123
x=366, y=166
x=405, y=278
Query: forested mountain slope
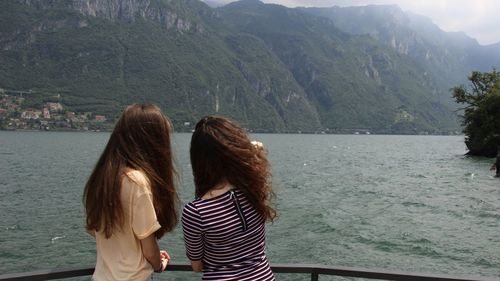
x=271, y=68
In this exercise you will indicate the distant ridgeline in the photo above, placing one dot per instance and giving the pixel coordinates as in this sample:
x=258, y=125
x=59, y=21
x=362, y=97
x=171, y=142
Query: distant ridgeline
x=272, y=68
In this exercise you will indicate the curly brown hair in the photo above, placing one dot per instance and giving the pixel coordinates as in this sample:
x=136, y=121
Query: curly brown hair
x=222, y=151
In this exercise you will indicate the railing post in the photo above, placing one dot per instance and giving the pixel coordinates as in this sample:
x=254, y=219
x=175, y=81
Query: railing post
x=314, y=276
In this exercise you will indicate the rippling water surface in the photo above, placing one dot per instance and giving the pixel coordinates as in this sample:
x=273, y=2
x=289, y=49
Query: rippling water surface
x=410, y=203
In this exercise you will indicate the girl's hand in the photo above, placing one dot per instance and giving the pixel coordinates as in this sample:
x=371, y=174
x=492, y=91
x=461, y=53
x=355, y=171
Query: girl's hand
x=164, y=255
x=164, y=263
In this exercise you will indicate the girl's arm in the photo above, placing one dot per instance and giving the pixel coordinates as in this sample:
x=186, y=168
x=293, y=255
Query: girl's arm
x=192, y=228
x=197, y=266
x=151, y=252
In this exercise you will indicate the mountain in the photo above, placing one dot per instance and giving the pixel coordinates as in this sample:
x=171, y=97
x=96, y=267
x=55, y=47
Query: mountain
x=269, y=67
x=353, y=81
x=104, y=54
x=448, y=56
x=216, y=3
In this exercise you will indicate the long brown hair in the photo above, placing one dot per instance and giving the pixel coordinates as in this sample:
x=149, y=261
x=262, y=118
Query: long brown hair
x=139, y=141
x=222, y=151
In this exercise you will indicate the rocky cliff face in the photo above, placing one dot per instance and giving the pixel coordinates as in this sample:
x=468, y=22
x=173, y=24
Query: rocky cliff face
x=126, y=11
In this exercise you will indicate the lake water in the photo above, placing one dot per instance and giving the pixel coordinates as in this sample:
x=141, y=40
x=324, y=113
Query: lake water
x=409, y=203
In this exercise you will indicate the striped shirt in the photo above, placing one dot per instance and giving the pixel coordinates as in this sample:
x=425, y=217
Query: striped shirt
x=228, y=235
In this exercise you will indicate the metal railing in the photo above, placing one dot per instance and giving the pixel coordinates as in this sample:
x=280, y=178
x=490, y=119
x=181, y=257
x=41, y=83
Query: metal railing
x=313, y=270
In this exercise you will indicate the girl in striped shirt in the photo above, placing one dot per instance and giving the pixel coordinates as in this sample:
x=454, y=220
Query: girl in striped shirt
x=224, y=230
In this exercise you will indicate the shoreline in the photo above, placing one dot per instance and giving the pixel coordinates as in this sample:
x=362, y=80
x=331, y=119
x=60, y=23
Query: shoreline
x=251, y=132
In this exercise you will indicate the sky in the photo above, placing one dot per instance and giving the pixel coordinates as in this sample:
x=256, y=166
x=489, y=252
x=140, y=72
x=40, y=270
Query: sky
x=480, y=19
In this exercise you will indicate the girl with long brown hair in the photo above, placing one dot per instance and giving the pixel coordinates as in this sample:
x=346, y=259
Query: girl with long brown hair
x=224, y=227
x=130, y=198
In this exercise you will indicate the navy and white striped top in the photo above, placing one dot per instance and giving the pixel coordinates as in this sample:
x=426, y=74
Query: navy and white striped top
x=228, y=235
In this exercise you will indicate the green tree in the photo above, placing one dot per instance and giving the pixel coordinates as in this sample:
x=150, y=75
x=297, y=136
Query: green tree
x=481, y=119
